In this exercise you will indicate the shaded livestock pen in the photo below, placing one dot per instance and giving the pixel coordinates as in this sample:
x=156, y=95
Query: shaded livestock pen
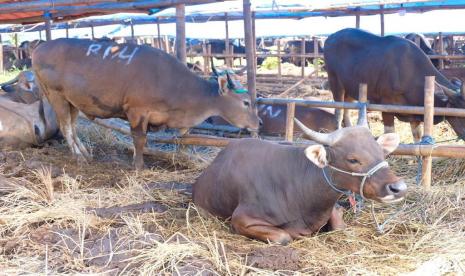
x=102, y=217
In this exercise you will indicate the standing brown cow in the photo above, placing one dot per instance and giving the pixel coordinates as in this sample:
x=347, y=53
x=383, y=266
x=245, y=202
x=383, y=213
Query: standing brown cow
x=278, y=192
x=144, y=85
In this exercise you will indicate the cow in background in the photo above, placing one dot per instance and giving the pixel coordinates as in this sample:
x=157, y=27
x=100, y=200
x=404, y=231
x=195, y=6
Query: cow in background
x=424, y=45
x=294, y=47
x=26, y=119
x=394, y=70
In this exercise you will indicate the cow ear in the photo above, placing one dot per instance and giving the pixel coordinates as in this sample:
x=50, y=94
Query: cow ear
x=388, y=142
x=223, y=83
x=317, y=154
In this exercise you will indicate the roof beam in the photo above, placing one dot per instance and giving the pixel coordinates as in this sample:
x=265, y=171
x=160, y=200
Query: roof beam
x=104, y=6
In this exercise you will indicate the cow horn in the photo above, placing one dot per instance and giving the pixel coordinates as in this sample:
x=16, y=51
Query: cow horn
x=214, y=69
x=230, y=82
x=362, y=116
x=449, y=92
x=318, y=137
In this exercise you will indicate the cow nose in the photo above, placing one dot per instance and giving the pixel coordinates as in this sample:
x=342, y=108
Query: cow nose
x=398, y=188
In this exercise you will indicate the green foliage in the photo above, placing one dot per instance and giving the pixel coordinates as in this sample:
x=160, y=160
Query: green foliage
x=270, y=63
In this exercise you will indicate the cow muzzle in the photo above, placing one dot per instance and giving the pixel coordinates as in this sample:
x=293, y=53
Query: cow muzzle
x=395, y=192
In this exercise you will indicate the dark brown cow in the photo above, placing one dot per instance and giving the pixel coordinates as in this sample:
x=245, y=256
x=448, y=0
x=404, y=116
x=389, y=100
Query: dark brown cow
x=394, y=70
x=144, y=85
x=278, y=192
x=273, y=118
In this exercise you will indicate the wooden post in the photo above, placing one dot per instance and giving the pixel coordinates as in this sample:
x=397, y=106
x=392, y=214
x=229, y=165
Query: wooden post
x=40, y=35
x=132, y=33
x=428, y=130
x=1, y=55
x=315, y=52
x=382, y=19
x=254, y=34
x=441, y=51
x=357, y=21
x=159, y=35
x=67, y=30
x=209, y=57
x=18, y=52
x=279, y=61
x=290, y=122
x=167, y=44
x=92, y=33
x=302, y=59
x=181, y=33
x=205, y=59
x=231, y=53
x=249, y=49
x=48, y=29
x=226, y=41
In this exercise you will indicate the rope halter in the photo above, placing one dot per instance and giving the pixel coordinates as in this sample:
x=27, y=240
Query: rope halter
x=366, y=175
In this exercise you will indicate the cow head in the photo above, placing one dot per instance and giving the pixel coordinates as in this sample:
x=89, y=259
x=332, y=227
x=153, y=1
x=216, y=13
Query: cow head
x=455, y=99
x=354, y=150
x=235, y=105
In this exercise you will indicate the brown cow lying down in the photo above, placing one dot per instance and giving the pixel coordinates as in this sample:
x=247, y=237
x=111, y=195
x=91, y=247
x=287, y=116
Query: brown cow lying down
x=278, y=193
x=25, y=124
x=273, y=119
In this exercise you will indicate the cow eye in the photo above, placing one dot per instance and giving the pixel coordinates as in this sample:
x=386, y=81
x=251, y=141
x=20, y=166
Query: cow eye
x=246, y=103
x=353, y=161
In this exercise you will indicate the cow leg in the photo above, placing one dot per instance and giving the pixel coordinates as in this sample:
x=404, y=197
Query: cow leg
x=74, y=114
x=256, y=228
x=63, y=113
x=338, y=96
x=139, y=137
x=417, y=131
x=347, y=122
x=336, y=222
x=388, y=121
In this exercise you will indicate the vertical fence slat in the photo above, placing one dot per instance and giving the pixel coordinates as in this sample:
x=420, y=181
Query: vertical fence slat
x=290, y=122
x=302, y=59
x=315, y=60
x=428, y=129
x=279, y=61
x=441, y=51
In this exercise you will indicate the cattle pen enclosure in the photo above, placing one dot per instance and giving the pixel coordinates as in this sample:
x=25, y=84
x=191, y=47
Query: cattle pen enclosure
x=102, y=217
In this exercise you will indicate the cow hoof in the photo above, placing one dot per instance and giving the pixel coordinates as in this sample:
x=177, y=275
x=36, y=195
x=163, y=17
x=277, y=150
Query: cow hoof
x=282, y=239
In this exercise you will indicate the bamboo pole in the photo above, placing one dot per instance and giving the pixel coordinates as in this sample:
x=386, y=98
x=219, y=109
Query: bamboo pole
x=205, y=59
x=167, y=44
x=248, y=35
x=418, y=110
x=315, y=60
x=357, y=21
x=280, y=77
x=254, y=38
x=92, y=33
x=67, y=31
x=40, y=35
x=428, y=130
x=132, y=32
x=226, y=41
x=48, y=30
x=441, y=50
x=159, y=35
x=452, y=151
x=302, y=59
x=181, y=33
x=209, y=57
x=290, y=122
x=382, y=19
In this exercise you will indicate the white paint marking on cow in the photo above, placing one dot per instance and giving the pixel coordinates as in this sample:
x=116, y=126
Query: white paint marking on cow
x=1, y=126
x=269, y=110
x=107, y=51
x=128, y=57
x=93, y=49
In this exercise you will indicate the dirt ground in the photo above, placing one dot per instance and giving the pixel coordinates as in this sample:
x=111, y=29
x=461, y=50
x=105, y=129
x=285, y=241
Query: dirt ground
x=104, y=218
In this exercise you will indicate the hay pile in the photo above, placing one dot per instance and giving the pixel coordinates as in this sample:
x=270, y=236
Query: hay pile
x=57, y=217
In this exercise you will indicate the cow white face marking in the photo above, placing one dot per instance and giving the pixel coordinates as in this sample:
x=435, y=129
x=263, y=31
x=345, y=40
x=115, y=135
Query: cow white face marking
x=95, y=48
x=268, y=110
